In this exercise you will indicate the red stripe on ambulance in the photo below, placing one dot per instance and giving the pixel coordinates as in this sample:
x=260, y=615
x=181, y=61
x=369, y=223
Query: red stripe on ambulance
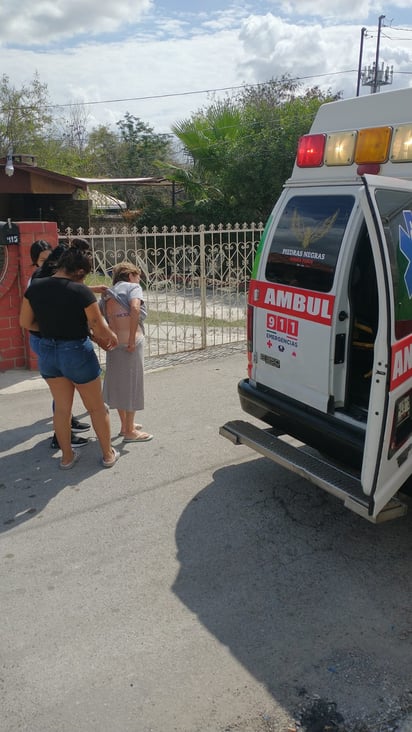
x=401, y=365
x=304, y=304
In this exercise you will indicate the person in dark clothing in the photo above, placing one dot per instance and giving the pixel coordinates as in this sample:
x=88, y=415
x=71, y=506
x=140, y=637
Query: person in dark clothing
x=45, y=259
x=40, y=250
x=65, y=311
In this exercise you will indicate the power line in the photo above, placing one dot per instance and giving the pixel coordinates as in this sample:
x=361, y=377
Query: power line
x=145, y=98
x=188, y=93
x=391, y=38
x=393, y=27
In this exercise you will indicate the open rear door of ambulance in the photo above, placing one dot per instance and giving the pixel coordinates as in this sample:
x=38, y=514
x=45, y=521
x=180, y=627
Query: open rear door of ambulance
x=387, y=460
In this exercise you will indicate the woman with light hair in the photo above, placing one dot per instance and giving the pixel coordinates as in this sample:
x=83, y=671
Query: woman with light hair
x=125, y=311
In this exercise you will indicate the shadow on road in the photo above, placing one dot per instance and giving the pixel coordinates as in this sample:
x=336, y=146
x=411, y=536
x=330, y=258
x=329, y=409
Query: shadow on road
x=311, y=599
x=30, y=478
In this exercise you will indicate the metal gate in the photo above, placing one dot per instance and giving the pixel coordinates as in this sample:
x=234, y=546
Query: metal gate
x=195, y=280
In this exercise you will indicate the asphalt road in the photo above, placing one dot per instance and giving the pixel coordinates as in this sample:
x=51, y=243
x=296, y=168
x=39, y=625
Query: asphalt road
x=195, y=587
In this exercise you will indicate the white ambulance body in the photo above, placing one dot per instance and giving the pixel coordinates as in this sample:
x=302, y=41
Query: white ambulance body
x=330, y=310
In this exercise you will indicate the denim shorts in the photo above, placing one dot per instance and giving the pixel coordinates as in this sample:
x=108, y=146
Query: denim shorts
x=76, y=360
x=34, y=341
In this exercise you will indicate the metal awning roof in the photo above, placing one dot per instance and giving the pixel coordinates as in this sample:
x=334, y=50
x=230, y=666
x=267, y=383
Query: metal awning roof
x=104, y=201
x=127, y=181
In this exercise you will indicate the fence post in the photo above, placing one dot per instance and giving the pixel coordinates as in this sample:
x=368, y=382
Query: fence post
x=203, y=309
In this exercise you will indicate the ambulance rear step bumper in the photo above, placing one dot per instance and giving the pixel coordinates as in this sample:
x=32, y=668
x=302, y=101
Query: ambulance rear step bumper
x=322, y=473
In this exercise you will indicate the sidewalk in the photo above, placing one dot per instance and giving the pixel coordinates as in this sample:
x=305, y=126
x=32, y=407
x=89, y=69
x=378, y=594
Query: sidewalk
x=20, y=380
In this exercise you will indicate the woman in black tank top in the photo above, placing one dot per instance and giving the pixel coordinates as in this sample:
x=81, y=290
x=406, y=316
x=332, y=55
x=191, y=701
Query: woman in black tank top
x=65, y=312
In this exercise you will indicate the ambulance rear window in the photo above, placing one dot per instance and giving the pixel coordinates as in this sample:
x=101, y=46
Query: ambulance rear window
x=306, y=243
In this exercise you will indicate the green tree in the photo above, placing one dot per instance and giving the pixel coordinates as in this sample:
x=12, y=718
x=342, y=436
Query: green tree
x=274, y=116
x=208, y=140
x=25, y=117
x=75, y=127
x=140, y=146
x=142, y=153
x=133, y=150
x=241, y=151
x=104, y=151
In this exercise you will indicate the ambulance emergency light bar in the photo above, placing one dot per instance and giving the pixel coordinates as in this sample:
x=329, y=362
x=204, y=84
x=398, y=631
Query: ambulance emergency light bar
x=372, y=145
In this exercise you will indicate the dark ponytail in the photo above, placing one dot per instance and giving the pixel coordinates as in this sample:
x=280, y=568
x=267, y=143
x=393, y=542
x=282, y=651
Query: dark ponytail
x=51, y=264
x=77, y=256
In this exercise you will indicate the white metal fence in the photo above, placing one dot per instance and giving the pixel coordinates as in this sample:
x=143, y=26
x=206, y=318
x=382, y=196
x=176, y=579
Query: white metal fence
x=195, y=280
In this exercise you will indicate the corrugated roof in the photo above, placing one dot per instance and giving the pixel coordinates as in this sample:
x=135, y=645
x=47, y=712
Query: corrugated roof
x=103, y=201
x=127, y=181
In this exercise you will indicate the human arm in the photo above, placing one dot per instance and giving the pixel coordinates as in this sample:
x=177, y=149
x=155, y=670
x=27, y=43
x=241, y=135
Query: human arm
x=27, y=316
x=100, y=289
x=100, y=331
x=134, y=304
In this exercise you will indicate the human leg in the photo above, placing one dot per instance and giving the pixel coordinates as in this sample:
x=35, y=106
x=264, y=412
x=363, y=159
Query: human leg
x=62, y=391
x=127, y=423
x=122, y=417
x=123, y=388
x=78, y=426
x=63, y=360
x=131, y=431
x=92, y=398
x=137, y=426
x=76, y=441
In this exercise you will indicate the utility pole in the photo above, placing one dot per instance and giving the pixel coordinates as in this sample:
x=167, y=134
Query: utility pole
x=363, y=32
x=374, y=76
x=374, y=88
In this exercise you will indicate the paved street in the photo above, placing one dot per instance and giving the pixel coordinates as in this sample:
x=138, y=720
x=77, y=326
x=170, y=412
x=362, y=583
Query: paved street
x=195, y=587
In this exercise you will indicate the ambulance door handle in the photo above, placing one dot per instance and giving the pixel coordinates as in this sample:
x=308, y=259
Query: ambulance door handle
x=340, y=347
x=342, y=316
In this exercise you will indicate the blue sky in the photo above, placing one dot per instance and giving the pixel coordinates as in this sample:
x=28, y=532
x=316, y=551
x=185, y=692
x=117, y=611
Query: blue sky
x=163, y=60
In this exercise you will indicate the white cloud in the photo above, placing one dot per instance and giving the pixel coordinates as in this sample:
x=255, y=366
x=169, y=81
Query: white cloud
x=131, y=69
x=168, y=56
x=339, y=9
x=273, y=47
x=328, y=56
x=46, y=21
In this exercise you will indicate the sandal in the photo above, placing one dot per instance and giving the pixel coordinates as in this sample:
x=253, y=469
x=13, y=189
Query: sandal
x=110, y=463
x=68, y=466
x=136, y=427
x=143, y=437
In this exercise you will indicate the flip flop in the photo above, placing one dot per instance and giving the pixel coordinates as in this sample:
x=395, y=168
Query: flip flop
x=110, y=463
x=144, y=437
x=136, y=426
x=68, y=466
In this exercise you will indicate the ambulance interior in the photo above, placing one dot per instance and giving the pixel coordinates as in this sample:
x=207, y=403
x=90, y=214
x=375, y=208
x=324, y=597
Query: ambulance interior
x=363, y=296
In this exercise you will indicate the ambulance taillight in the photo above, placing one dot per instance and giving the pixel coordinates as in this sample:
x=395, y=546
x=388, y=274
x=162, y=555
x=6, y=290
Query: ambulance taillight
x=368, y=148
x=311, y=149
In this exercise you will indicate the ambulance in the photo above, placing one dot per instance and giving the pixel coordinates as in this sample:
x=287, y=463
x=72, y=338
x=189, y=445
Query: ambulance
x=329, y=314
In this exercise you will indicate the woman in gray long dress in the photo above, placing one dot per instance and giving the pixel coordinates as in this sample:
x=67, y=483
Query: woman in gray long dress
x=124, y=309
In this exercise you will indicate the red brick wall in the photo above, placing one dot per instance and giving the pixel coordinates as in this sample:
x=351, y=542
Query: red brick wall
x=14, y=344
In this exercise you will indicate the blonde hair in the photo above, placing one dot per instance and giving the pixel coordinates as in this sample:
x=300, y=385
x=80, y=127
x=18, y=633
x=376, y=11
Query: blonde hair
x=122, y=271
